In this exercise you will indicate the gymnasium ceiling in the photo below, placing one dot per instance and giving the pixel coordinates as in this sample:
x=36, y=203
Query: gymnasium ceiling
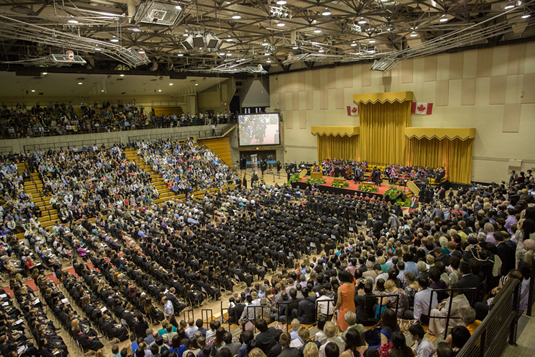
x=279, y=35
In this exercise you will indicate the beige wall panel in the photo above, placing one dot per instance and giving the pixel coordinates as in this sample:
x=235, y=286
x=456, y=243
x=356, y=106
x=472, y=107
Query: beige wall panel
x=324, y=78
x=273, y=85
x=517, y=56
x=347, y=76
x=339, y=77
x=484, y=63
x=406, y=71
x=282, y=79
x=316, y=81
x=288, y=119
x=292, y=80
x=301, y=85
x=482, y=91
x=340, y=99
x=324, y=100
x=331, y=99
x=309, y=99
x=357, y=77
x=289, y=100
x=365, y=76
x=282, y=100
x=513, y=91
x=455, y=93
x=468, y=91
x=316, y=95
x=386, y=78
x=497, y=90
x=331, y=78
x=511, y=118
x=302, y=100
x=529, y=63
x=443, y=66
x=499, y=60
x=302, y=119
x=430, y=68
x=442, y=93
x=308, y=80
x=528, y=88
x=274, y=100
x=456, y=65
x=470, y=64
x=295, y=101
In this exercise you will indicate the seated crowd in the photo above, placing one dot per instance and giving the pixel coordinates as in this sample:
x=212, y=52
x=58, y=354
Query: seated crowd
x=62, y=119
x=185, y=167
x=340, y=262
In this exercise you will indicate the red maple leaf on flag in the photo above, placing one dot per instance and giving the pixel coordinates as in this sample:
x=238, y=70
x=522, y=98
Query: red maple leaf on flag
x=354, y=109
x=421, y=108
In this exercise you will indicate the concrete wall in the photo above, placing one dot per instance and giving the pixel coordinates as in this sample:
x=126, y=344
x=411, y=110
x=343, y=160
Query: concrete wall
x=214, y=98
x=492, y=90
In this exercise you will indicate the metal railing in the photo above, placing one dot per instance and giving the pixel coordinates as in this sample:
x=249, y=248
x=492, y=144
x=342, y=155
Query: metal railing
x=183, y=135
x=108, y=142
x=531, y=297
x=499, y=327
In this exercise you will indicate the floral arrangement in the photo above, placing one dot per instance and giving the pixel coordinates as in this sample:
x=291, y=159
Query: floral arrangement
x=310, y=181
x=370, y=189
x=340, y=184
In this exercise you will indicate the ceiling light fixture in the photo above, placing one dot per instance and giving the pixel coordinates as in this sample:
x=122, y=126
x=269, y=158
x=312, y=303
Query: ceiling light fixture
x=321, y=50
x=122, y=75
x=443, y=18
x=281, y=2
x=295, y=48
x=510, y=5
x=141, y=51
x=526, y=14
x=159, y=90
x=102, y=90
x=236, y=16
x=180, y=54
x=317, y=31
x=414, y=34
x=354, y=44
x=136, y=29
x=72, y=21
x=265, y=43
x=362, y=21
x=114, y=39
x=229, y=54
x=372, y=41
x=178, y=7
x=33, y=90
x=326, y=12
x=80, y=83
x=170, y=84
x=281, y=24
x=268, y=60
x=44, y=73
x=196, y=84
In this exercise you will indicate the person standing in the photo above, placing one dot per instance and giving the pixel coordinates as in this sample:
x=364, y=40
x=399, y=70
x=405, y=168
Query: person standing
x=346, y=298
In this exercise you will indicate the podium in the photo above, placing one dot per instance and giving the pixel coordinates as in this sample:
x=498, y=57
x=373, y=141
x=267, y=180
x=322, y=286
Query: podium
x=316, y=175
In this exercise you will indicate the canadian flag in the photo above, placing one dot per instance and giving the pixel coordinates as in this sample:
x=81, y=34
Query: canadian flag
x=352, y=110
x=421, y=108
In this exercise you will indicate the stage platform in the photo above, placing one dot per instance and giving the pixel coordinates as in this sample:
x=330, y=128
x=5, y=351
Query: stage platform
x=351, y=189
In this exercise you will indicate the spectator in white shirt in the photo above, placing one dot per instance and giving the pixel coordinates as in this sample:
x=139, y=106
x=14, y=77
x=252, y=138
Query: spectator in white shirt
x=190, y=331
x=421, y=301
x=422, y=345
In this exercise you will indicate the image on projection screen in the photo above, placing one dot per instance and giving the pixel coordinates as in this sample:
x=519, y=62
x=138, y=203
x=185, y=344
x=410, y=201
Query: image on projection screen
x=259, y=129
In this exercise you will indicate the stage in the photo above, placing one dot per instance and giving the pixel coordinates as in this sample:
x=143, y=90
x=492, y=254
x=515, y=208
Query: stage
x=351, y=189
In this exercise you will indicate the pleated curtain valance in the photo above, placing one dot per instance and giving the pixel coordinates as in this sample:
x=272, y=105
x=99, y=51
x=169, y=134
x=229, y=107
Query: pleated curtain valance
x=335, y=130
x=440, y=133
x=386, y=97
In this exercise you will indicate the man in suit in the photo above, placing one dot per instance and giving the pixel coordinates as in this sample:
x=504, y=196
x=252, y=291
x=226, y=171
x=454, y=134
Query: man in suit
x=266, y=338
x=307, y=308
x=505, y=252
x=287, y=351
x=468, y=280
x=364, y=304
x=440, y=256
x=437, y=212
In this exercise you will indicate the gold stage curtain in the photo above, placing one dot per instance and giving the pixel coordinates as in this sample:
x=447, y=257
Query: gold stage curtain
x=337, y=147
x=454, y=155
x=382, y=128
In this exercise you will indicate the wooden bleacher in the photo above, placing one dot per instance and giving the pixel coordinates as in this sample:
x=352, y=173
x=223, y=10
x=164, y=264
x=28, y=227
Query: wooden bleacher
x=220, y=147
